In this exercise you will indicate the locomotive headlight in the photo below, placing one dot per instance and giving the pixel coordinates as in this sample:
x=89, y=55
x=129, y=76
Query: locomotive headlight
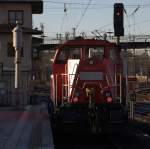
x=108, y=96
x=75, y=99
x=109, y=99
x=51, y=76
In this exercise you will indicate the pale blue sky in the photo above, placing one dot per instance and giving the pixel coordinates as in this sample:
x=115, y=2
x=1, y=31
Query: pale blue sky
x=99, y=15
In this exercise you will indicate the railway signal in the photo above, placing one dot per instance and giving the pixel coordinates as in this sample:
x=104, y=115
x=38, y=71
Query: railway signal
x=118, y=19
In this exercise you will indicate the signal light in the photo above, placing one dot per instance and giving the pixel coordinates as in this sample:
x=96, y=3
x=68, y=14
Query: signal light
x=118, y=19
x=75, y=99
x=109, y=99
x=118, y=13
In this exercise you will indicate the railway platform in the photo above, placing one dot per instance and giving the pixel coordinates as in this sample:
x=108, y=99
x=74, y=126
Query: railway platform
x=25, y=128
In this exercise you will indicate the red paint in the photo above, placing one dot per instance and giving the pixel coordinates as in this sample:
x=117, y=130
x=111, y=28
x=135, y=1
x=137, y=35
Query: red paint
x=104, y=65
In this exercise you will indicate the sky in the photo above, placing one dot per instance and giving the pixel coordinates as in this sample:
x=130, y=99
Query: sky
x=90, y=15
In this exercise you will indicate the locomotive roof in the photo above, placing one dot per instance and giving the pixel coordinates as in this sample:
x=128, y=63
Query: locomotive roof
x=88, y=42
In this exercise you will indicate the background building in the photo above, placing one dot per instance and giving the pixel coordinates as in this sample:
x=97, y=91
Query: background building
x=10, y=12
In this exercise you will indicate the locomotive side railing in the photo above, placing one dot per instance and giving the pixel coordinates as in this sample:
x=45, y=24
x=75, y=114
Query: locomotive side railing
x=56, y=90
x=61, y=77
x=107, y=79
x=118, y=83
x=67, y=87
x=64, y=79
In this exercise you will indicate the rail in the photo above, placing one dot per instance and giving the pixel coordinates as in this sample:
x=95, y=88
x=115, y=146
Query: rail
x=140, y=111
x=142, y=108
x=64, y=88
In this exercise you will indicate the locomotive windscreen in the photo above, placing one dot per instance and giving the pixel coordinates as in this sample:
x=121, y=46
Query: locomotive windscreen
x=97, y=52
x=68, y=53
x=77, y=52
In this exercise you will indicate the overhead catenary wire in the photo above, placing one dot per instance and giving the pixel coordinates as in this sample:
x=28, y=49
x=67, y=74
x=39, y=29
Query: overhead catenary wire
x=73, y=3
x=78, y=5
x=96, y=4
x=96, y=7
x=62, y=24
x=91, y=8
x=63, y=19
x=83, y=14
x=65, y=16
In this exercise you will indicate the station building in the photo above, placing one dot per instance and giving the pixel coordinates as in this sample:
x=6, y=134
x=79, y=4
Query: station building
x=10, y=12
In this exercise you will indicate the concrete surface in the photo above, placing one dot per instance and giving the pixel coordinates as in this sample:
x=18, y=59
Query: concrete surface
x=25, y=128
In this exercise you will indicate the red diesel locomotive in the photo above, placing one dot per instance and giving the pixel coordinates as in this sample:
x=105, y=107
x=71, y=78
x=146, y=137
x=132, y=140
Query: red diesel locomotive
x=87, y=83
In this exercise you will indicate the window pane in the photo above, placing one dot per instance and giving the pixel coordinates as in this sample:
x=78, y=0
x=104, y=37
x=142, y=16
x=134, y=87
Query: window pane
x=112, y=54
x=62, y=55
x=19, y=17
x=15, y=15
x=97, y=52
x=74, y=53
x=68, y=53
x=12, y=17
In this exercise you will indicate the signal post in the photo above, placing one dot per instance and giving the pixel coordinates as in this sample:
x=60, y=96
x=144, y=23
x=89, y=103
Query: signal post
x=17, y=44
x=119, y=31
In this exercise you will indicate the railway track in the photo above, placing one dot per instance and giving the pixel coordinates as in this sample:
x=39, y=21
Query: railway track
x=132, y=137
x=142, y=111
x=142, y=108
x=125, y=139
x=83, y=141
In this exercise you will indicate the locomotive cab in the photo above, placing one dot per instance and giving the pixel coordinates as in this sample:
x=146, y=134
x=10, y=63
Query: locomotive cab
x=86, y=83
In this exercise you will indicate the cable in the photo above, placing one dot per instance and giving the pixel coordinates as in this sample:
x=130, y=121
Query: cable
x=96, y=4
x=83, y=14
x=49, y=1
x=143, y=21
x=91, y=8
x=94, y=8
x=65, y=10
x=62, y=24
x=106, y=25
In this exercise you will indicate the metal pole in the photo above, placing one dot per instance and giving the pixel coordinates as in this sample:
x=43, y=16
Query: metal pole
x=17, y=67
x=120, y=80
x=74, y=32
x=17, y=44
x=132, y=100
x=125, y=73
x=132, y=109
x=127, y=95
x=118, y=40
x=17, y=75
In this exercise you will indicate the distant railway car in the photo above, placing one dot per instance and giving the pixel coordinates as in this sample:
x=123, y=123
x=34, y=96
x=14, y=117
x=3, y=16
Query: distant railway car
x=87, y=83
